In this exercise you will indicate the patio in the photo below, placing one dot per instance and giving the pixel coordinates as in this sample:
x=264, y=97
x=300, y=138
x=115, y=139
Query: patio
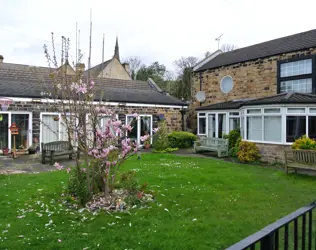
x=28, y=164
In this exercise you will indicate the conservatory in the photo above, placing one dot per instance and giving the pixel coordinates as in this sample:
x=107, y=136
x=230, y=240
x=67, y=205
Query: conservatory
x=279, y=119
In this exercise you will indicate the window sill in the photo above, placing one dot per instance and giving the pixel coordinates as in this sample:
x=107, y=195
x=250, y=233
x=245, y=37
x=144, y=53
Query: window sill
x=269, y=142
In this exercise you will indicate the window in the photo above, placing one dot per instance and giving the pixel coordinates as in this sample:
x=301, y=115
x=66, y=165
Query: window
x=234, y=123
x=202, y=126
x=296, y=76
x=227, y=84
x=312, y=127
x=272, y=129
x=301, y=67
x=221, y=125
x=295, y=127
x=296, y=110
x=301, y=85
x=254, y=128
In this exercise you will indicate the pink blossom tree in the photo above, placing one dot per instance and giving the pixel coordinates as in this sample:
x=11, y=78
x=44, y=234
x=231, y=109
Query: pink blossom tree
x=104, y=145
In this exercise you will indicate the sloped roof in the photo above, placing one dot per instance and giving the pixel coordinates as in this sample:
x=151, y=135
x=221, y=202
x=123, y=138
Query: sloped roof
x=25, y=81
x=223, y=105
x=96, y=70
x=296, y=42
x=284, y=98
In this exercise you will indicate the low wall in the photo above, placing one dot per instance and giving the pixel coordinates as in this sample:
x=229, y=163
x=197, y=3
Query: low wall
x=272, y=153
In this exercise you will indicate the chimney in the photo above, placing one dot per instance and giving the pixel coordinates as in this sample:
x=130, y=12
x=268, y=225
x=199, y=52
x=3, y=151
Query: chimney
x=126, y=67
x=80, y=67
x=1, y=58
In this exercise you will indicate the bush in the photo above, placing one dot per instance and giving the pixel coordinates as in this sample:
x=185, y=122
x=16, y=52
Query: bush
x=181, y=139
x=304, y=143
x=235, y=149
x=232, y=137
x=160, y=139
x=248, y=152
x=77, y=185
x=129, y=182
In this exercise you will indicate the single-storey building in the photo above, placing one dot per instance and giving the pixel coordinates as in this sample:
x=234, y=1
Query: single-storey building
x=268, y=90
x=23, y=100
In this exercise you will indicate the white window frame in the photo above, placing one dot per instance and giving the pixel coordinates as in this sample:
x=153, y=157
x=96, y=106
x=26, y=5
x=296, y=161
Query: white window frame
x=216, y=113
x=139, y=124
x=30, y=125
x=283, y=113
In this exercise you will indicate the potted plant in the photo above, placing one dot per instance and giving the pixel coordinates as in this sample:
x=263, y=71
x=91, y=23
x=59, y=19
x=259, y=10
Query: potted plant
x=5, y=151
x=146, y=140
x=32, y=149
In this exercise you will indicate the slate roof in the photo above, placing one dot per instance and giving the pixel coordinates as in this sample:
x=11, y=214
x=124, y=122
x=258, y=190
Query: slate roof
x=296, y=42
x=284, y=98
x=223, y=105
x=96, y=70
x=24, y=81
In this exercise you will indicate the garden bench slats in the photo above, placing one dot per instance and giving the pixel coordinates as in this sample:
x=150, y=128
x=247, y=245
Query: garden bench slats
x=56, y=148
x=218, y=145
x=300, y=159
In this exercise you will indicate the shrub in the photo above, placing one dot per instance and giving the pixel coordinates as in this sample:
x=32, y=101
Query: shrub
x=181, y=139
x=77, y=185
x=232, y=137
x=248, y=152
x=304, y=143
x=160, y=139
x=129, y=182
x=235, y=149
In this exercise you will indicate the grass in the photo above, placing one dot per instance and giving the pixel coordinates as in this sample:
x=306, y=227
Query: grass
x=200, y=204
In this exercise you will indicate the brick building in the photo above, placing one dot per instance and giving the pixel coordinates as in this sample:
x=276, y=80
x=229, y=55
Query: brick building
x=268, y=90
x=23, y=100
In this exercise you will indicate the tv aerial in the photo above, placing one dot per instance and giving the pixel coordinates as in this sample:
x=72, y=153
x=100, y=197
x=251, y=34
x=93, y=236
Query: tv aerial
x=218, y=39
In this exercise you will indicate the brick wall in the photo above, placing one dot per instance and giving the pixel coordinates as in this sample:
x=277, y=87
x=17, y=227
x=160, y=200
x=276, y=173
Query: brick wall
x=172, y=115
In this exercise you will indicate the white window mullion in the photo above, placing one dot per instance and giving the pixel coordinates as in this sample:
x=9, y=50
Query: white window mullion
x=307, y=126
x=9, y=133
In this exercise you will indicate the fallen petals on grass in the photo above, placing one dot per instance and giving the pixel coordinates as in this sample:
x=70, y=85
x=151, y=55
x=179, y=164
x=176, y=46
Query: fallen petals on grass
x=166, y=209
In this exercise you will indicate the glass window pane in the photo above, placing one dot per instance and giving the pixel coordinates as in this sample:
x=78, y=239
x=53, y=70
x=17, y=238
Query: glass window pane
x=272, y=128
x=295, y=127
x=312, y=110
x=296, y=110
x=254, y=128
x=201, y=114
x=301, y=86
x=211, y=125
x=254, y=111
x=296, y=68
x=242, y=132
x=22, y=122
x=4, y=131
x=202, y=126
x=234, y=123
x=234, y=113
x=312, y=127
x=131, y=120
x=275, y=110
x=49, y=128
x=221, y=125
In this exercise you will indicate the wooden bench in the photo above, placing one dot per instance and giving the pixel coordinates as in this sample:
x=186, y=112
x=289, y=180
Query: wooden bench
x=300, y=159
x=57, y=148
x=212, y=144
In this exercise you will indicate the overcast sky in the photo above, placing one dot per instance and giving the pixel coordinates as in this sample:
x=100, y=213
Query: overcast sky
x=161, y=30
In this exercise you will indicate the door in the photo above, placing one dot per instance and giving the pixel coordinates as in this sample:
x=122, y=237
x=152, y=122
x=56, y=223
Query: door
x=23, y=138
x=142, y=125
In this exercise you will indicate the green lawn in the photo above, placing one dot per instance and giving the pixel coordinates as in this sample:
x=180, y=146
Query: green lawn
x=200, y=204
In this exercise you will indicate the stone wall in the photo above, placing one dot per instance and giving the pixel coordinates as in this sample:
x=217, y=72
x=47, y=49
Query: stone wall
x=272, y=153
x=252, y=79
x=172, y=115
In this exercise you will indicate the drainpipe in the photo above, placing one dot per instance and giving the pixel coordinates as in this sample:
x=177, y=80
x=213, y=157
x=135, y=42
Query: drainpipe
x=182, y=117
x=200, y=84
